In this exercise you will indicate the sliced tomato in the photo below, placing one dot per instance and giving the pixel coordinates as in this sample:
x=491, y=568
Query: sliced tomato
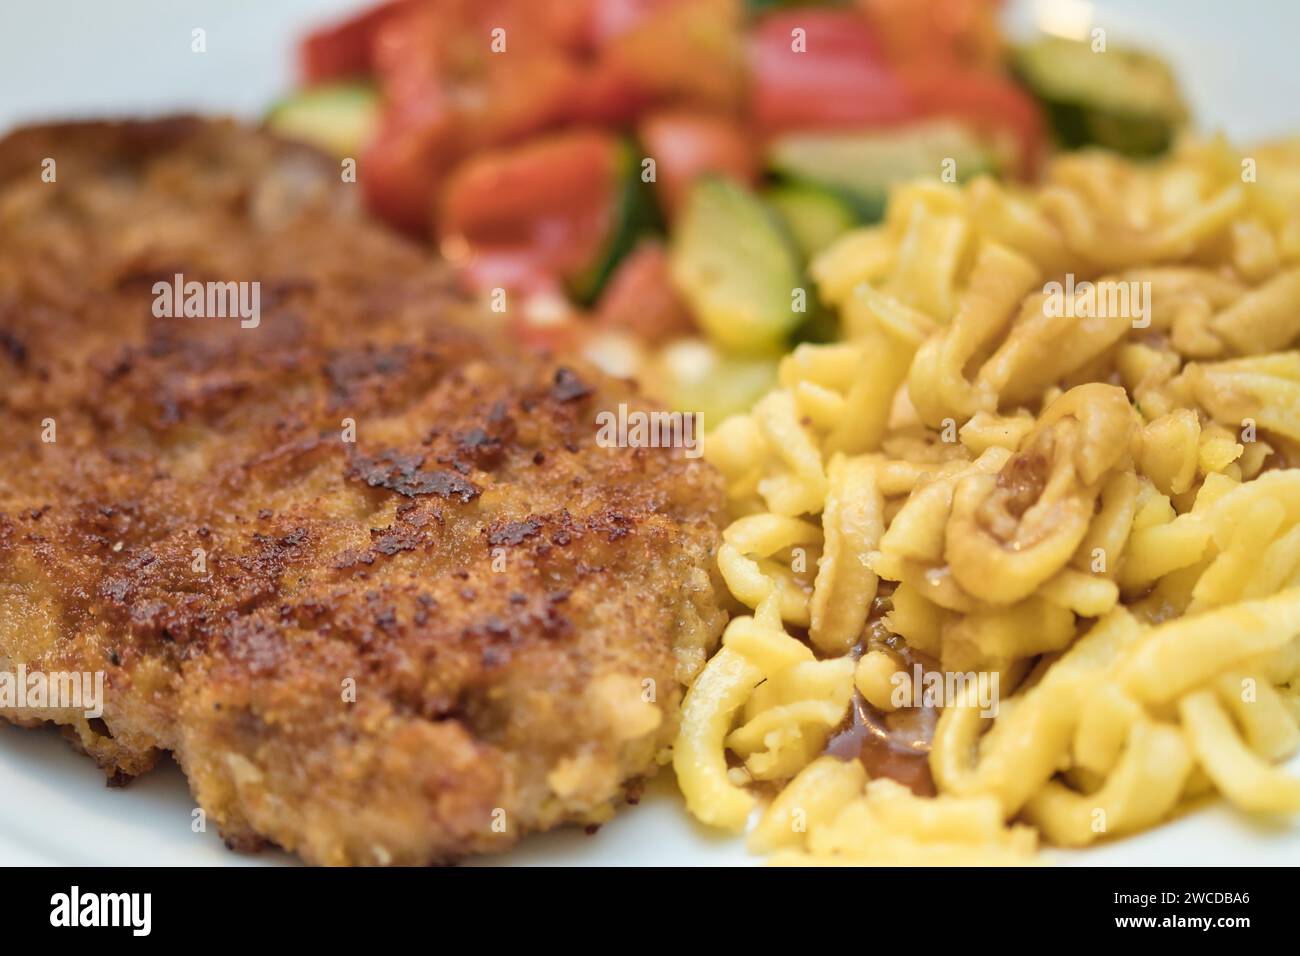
x=417, y=139
x=686, y=145
x=607, y=19
x=519, y=98
x=640, y=298
x=567, y=24
x=343, y=50
x=989, y=102
x=546, y=207
x=608, y=95
x=454, y=86
x=822, y=69
x=951, y=54
x=406, y=55
x=400, y=169
x=636, y=52
x=449, y=94
x=497, y=94
x=682, y=52
x=948, y=32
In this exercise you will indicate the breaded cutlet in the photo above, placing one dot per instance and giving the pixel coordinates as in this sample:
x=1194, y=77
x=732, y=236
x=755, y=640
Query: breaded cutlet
x=470, y=622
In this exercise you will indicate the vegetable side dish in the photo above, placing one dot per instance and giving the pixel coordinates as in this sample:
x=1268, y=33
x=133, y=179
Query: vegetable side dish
x=586, y=158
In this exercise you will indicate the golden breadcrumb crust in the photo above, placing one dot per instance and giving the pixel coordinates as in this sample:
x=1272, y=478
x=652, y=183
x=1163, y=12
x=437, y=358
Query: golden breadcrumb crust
x=469, y=623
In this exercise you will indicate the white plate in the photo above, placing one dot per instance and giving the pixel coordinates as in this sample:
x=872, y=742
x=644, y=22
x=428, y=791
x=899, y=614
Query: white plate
x=76, y=58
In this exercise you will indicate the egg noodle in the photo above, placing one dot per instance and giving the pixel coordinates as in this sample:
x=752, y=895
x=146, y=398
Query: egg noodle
x=1058, y=444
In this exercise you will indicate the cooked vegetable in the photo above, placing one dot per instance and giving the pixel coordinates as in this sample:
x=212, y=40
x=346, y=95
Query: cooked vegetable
x=736, y=268
x=814, y=216
x=340, y=118
x=345, y=50
x=411, y=151
x=1004, y=116
x=684, y=52
x=498, y=127
x=1121, y=99
x=952, y=33
x=686, y=145
x=567, y=206
x=448, y=96
x=639, y=297
x=633, y=214
x=864, y=165
x=831, y=76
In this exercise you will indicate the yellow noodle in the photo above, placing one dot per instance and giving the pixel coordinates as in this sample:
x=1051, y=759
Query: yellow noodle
x=1061, y=437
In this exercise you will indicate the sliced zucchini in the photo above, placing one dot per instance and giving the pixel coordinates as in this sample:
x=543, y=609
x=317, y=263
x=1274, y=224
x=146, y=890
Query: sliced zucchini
x=634, y=214
x=814, y=216
x=861, y=167
x=736, y=268
x=1121, y=99
x=338, y=118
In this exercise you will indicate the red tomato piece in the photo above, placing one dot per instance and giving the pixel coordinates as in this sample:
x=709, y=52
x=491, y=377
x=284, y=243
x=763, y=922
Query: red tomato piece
x=343, y=50
x=608, y=19
x=547, y=207
x=832, y=75
x=946, y=32
x=640, y=298
x=449, y=93
x=990, y=103
x=682, y=52
x=417, y=139
x=400, y=169
x=686, y=145
x=608, y=95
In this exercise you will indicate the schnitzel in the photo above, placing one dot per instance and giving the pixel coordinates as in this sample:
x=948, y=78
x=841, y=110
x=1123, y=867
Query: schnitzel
x=367, y=575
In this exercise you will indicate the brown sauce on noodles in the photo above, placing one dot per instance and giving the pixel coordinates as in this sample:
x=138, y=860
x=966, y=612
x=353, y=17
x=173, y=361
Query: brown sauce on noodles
x=894, y=745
